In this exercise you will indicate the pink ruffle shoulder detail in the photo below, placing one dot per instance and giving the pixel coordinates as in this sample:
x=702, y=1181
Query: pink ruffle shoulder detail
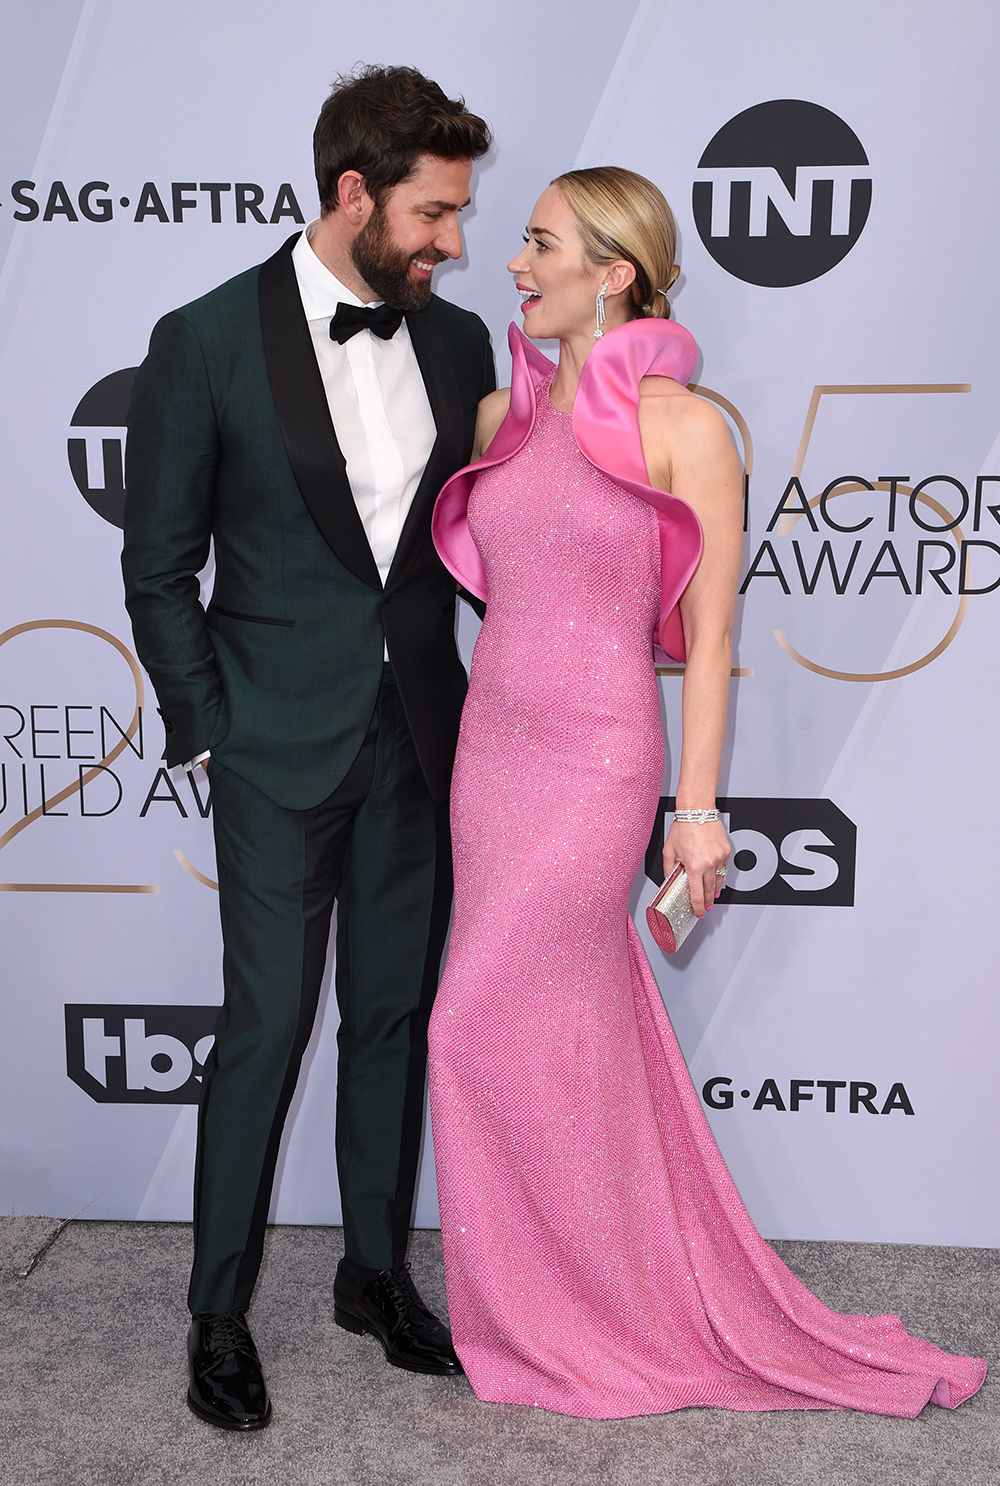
x=606, y=428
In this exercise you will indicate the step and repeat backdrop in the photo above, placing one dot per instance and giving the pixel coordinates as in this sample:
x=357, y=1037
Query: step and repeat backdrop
x=832, y=173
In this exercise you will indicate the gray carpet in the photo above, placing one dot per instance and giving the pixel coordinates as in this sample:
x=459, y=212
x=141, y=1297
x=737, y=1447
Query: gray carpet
x=93, y=1367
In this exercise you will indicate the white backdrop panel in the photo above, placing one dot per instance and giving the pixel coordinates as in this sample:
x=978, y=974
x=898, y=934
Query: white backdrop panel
x=894, y=990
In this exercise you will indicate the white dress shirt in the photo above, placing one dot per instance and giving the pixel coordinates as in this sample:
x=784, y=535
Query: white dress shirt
x=378, y=404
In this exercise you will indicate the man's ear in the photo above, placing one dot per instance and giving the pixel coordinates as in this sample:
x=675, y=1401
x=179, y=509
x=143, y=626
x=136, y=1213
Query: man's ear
x=353, y=199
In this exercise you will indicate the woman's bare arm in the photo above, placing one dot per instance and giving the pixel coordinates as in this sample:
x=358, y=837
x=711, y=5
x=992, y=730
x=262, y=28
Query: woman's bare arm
x=690, y=453
x=492, y=412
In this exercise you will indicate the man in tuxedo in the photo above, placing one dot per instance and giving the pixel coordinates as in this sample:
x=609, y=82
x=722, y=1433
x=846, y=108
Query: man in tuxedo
x=304, y=416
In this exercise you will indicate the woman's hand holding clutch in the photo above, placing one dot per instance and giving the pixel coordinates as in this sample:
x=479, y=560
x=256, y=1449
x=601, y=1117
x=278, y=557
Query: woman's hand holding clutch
x=704, y=851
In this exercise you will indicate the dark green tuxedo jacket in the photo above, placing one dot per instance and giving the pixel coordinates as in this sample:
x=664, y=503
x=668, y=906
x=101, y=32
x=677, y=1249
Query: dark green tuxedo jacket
x=230, y=439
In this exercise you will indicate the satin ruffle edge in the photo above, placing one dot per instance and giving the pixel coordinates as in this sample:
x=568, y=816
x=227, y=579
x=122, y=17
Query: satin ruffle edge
x=606, y=428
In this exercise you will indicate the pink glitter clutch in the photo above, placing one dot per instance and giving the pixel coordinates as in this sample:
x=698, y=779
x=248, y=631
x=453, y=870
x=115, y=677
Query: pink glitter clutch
x=670, y=916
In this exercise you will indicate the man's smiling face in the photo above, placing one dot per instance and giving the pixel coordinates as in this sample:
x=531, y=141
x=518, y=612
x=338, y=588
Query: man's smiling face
x=412, y=230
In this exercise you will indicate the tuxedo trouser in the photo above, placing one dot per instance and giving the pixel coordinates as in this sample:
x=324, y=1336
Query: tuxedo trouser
x=378, y=846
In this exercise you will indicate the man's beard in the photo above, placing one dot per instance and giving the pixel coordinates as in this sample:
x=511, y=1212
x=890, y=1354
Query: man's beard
x=386, y=269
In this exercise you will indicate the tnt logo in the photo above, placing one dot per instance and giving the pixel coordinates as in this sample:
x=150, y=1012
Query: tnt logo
x=97, y=459
x=139, y=1054
x=783, y=193
x=783, y=851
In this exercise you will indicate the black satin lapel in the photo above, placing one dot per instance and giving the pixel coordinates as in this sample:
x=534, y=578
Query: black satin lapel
x=304, y=417
x=446, y=455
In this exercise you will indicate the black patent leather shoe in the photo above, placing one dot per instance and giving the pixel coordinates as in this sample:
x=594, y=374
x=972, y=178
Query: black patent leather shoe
x=227, y=1386
x=389, y=1307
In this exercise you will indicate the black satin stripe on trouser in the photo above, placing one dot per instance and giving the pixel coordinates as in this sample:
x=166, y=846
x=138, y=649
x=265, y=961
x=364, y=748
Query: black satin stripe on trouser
x=380, y=846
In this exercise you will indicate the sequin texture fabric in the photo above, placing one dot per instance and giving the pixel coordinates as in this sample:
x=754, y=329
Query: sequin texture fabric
x=599, y=1260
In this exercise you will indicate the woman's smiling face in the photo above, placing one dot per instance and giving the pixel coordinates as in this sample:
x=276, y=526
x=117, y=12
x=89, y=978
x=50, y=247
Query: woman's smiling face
x=557, y=282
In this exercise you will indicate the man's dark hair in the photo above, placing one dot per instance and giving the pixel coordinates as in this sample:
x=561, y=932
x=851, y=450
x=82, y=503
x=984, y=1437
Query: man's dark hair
x=379, y=120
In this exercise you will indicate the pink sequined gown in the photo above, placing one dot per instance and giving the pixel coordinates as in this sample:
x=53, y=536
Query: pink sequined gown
x=599, y=1260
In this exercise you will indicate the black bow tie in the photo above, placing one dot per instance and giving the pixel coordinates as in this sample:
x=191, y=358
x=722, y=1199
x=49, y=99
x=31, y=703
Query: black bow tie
x=382, y=321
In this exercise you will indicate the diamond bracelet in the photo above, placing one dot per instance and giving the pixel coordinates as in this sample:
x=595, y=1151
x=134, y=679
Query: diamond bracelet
x=699, y=817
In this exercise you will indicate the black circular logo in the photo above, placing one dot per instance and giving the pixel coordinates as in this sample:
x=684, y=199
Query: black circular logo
x=783, y=193
x=97, y=460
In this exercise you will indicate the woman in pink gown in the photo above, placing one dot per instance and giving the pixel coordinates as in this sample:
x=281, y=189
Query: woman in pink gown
x=599, y=1260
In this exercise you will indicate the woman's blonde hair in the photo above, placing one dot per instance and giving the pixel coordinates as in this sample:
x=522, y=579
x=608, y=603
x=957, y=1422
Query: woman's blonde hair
x=623, y=215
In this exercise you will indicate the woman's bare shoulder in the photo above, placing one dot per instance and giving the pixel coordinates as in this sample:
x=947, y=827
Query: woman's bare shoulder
x=492, y=411
x=493, y=407
x=666, y=398
x=682, y=432
x=677, y=410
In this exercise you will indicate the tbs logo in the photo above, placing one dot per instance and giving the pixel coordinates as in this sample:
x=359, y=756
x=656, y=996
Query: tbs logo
x=783, y=193
x=139, y=1054
x=784, y=851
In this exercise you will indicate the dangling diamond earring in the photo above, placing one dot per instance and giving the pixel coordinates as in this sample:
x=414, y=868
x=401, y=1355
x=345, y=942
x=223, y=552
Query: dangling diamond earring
x=600, y=313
